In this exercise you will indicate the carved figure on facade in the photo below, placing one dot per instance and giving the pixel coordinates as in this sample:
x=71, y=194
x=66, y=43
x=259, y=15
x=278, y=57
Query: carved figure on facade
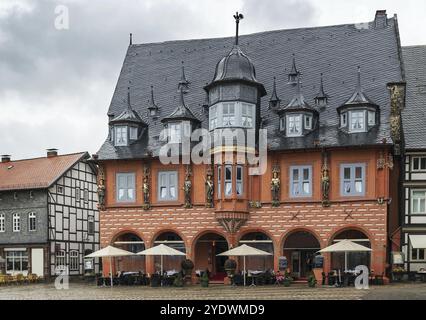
x=276, y=186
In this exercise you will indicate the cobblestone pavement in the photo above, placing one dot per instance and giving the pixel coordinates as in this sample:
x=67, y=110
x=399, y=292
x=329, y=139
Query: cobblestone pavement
x=78, y=291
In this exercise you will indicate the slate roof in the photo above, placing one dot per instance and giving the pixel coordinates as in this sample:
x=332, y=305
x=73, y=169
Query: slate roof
x=36, y=173
x=414, y=114
x=335, y=51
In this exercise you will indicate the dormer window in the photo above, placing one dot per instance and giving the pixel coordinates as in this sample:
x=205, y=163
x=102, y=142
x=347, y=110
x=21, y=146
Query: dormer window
x=133, y=133
x=371, y=118
x=121, y=135
x=357, y=121
x=308, y=122
x=344, y=119
x=175, y=132
x=294, y=125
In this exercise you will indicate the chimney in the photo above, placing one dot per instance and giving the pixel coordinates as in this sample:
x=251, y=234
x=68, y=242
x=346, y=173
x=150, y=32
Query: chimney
x=5, y=158
x=52, y=153
x=381, y=19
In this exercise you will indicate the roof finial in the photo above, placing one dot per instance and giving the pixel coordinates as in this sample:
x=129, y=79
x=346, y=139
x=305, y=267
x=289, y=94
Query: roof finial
x=274, y=101
x=128, y=98
x=131, y=39
x=183, y=83
x=237, y=17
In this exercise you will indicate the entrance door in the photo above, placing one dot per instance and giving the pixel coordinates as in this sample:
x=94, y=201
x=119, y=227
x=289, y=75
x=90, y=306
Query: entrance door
x=37, y=261
x=295, y=263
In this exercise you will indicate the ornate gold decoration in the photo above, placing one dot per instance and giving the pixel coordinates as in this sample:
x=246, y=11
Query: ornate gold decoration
x=101, y=188
x=325, y=181
x=231, y=221
x=146, y=188
x=187, y=187
x=276, y=186
x=209, y=188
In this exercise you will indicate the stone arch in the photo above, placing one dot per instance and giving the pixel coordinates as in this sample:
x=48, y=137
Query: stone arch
x=173, y=239
x=129, y=240
x=260, y=239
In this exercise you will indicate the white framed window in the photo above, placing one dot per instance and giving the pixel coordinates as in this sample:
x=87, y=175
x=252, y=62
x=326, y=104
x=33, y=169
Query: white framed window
x=175, y=132
x=294, y=125
x=60, y=258
x=91, y=225
x=357, y=121
x=282, y=123
x=228, y=114
x=301, y=181
x=308, y=122
x=121, y=136
x=352, y=179
x=125, y=187
x=32, y=221
x=74, y=260
x=344, y=119
x=371, y=118
x=240, y=181
x=77, y=194
x=418, y=254
x=133, y=133
x=213, y=117
x=228, y=180
x=418, y=201
x=16, y=221
x=86, y=195
x=419, y=164
x=2, y=223
x=247, y=115
x=16, y=261
x=167, y=185
x=219, y=182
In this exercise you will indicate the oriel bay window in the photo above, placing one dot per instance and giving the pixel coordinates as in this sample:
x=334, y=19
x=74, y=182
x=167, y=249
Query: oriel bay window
x=300, y=181
x=125, y=187
x=227, y=174
x=167, y=186
x=352, y=177
x=232, y=114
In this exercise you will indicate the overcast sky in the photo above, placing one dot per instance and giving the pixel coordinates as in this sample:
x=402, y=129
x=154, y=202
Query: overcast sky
x=56, y=85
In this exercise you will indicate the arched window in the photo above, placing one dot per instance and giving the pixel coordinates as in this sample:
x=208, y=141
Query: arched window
x=32, y=221
x=16, y=222
x=74, y=261
x=2, y=224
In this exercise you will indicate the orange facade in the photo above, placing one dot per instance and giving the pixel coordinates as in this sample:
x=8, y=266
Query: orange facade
x=201, y=230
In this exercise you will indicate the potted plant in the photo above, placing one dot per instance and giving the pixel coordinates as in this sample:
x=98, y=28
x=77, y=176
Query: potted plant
x=398, y=273
x=178, y=282
x=312, y=281
x=286, y=281
x=187, y=266
x=205, y=279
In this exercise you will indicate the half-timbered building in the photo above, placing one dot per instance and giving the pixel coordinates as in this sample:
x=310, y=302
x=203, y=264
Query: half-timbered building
x=329, y=99
x=48, y=214
x=414, y=188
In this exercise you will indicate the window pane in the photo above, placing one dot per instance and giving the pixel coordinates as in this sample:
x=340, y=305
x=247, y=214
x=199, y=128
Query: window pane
x=416, y=162
x=228, y=173
x=423, y=164
x=358, y=186
x=357, y=120
x=239, y=188
x=358, y=173
x=295, y=174
x=347, y=187
x=421, y=254
x=415, y=206
x=163, y=192
x=305, y=174
x=239, y=173
x=347, y=173
x=228, y=188
x=422, y=205
x=296, y=190
x=306, y=187
x=173, y=192
x=414, y=254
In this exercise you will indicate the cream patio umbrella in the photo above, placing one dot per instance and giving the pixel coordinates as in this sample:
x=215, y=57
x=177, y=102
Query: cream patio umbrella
x=245, y=250
x=345, y=246
x=161, y=250
x=110, y=252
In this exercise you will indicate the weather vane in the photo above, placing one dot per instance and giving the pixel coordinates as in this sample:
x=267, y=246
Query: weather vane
x=237, y=17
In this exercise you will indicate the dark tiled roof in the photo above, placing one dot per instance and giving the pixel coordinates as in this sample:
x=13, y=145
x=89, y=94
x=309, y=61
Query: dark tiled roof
x=335, y=51
x=36, y=173
x=414, y=114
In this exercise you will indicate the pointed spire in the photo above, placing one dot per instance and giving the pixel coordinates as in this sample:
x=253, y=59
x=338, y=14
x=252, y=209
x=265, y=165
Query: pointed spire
x=128, y=99
x=321, y=98
x=206, y=102
x=358, y=97
x=294, y=73
x=152, y=107
x=131, y=40
x=298, y=102
x=182, y=112
x=183, y=83
x=274, y=101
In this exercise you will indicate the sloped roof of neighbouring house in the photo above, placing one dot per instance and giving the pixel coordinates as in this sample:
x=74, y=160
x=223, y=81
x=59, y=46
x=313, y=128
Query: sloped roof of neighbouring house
x=335, y=51
x=36, y=173
x=414, y=114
